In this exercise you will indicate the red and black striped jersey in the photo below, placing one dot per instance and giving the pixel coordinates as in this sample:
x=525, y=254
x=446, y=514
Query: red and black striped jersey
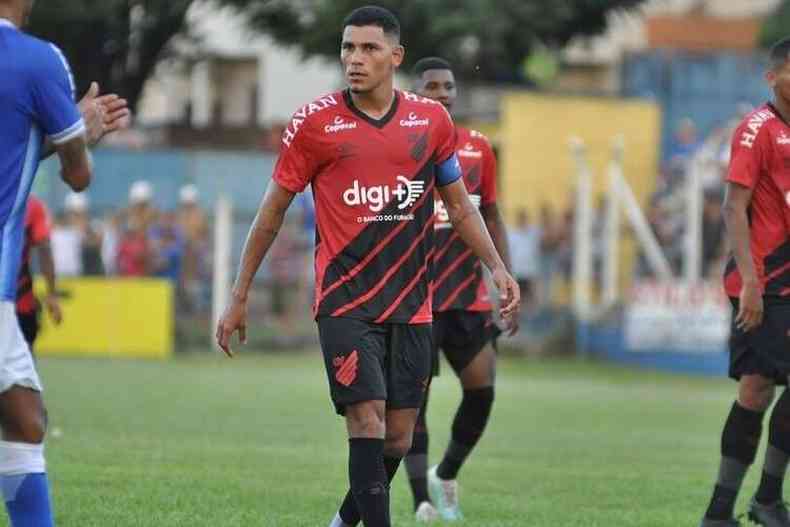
x=760, y=160
x=458, y=281
x=38, y=226
x=373, y=183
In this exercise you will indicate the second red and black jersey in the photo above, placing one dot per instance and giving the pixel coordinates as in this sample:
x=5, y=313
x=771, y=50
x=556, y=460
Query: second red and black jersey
x=458, y=281
x=37, y=229
x=373, y=183
x=760, y=161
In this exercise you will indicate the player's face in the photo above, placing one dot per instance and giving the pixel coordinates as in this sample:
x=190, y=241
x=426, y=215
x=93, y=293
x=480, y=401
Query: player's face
x=439, y=85
x=779, y=80
x=369, y=57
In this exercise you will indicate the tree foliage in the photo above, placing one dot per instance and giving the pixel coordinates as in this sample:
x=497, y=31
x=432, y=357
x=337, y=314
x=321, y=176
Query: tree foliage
x=485, y=39
x=776, y=26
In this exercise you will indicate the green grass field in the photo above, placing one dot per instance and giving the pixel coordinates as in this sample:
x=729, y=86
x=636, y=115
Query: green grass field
x=205, y=441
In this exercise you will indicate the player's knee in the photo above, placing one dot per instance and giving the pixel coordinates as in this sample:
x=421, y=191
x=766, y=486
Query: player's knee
x=399, y=446
x=756, y=392
x=365, y=420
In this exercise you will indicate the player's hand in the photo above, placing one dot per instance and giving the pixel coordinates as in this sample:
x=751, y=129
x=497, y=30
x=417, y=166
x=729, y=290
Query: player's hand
x=233, y=319
x=509, y=295
x=53, y=308
x=512, y=324
x=750, y=311
x=103, y=114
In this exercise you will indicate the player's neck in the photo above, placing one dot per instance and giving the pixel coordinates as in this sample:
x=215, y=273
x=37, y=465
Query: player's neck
x=12, y=15
x=783, y=107
x=375, y=103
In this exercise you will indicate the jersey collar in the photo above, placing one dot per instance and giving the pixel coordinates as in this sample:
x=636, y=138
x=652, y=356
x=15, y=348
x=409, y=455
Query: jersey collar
x=378, y=123
x=4, y=22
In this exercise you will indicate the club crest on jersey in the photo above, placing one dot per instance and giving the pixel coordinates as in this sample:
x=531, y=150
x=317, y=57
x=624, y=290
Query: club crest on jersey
x=405, y=191
x=339, y=125
x=783, y=139
x=414, y=121
x=469, y=151
x=346, y=368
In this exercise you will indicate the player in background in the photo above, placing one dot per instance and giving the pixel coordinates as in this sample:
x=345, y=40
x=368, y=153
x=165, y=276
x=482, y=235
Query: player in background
x=39, y=113
x=373, y=156
x=38, y=225
x=757, y=280
x=463, y=325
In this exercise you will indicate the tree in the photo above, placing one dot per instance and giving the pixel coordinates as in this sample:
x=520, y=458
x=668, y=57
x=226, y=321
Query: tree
x=776, y=26
x=485, y=39
x=117, y=43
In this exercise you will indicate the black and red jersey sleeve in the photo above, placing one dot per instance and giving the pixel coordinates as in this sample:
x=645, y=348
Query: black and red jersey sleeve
x=488, y=183
x=298, y=161
x=746, y=157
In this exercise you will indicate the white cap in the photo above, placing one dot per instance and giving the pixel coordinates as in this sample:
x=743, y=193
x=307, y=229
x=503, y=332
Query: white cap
x=76, y=202
x=188, y=195
x=140, y=192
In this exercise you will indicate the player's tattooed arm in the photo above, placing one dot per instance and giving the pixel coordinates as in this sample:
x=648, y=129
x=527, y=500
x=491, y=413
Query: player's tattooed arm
x=469, y=225
x=76, y=167
x=736, y=218
x=263, y=232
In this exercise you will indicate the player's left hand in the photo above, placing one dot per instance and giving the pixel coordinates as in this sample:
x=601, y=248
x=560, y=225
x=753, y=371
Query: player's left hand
x=53, y=308
x=509, y=296
x=511, y=324
x=233, y=319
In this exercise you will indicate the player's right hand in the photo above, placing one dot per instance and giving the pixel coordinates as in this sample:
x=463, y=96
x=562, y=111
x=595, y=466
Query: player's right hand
x=53, y=307
x=750, y=310
x=509, y=294
x=233, y=319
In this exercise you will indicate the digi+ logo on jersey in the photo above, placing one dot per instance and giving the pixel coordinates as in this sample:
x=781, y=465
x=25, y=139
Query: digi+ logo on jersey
x=339, y=125
x=413, y=121
x=405, y=191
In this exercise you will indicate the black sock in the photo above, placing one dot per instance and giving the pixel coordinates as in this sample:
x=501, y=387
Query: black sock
x=739, y=441
x=368, y=484
x=468, y=426
x=776, y=455
x=417, y=461
x=349, y=511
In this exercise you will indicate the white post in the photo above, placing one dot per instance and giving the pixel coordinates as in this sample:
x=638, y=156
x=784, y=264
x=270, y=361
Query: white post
x=612, y=236
x=582, y=239
x=692, y=261
x=223, y=221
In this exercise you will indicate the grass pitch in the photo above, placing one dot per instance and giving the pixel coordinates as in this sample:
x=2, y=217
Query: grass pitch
x=205, y=441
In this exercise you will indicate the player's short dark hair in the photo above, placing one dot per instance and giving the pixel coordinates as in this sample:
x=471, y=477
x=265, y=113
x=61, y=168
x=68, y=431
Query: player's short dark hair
x=371, y=15
x=430, y=63
x=780, y=52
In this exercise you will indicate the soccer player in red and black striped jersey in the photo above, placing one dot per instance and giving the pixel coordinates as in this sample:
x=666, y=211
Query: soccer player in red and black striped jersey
x=757, y=280
x=373, y=156
x=38, y=226
x=463, y=326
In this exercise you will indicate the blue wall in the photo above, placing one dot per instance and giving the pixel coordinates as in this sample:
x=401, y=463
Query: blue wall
x=705, y=87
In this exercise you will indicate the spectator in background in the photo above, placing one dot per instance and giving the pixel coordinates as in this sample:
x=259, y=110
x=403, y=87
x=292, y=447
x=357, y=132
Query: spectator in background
x=110, y=242
x=38, y=227
x=550, y=243
x=685, y=141
x=713, y=238
x=133, y=251
x=194, y=228
x=167, y=249
x=141, y=211
x=66, y=238
x=524, y=241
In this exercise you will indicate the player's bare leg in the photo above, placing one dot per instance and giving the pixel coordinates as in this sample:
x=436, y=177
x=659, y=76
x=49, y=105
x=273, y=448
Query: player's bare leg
x=397, y=432
x=477, y=380
x=739, y=442
x=22, y=467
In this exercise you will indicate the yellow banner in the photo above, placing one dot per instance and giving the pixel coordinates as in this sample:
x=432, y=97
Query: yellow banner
x=110, y=317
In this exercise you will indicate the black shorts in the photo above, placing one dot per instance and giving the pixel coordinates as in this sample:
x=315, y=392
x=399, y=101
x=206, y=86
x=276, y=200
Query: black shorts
x=29, y=323
x=375, y=362
x=765, y=350
x=462, y=335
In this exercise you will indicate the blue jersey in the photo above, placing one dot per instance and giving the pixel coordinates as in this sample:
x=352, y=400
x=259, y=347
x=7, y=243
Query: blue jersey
x=36, y=101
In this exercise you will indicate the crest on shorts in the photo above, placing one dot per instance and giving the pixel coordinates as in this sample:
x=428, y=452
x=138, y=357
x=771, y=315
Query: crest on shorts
x=346, y=368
